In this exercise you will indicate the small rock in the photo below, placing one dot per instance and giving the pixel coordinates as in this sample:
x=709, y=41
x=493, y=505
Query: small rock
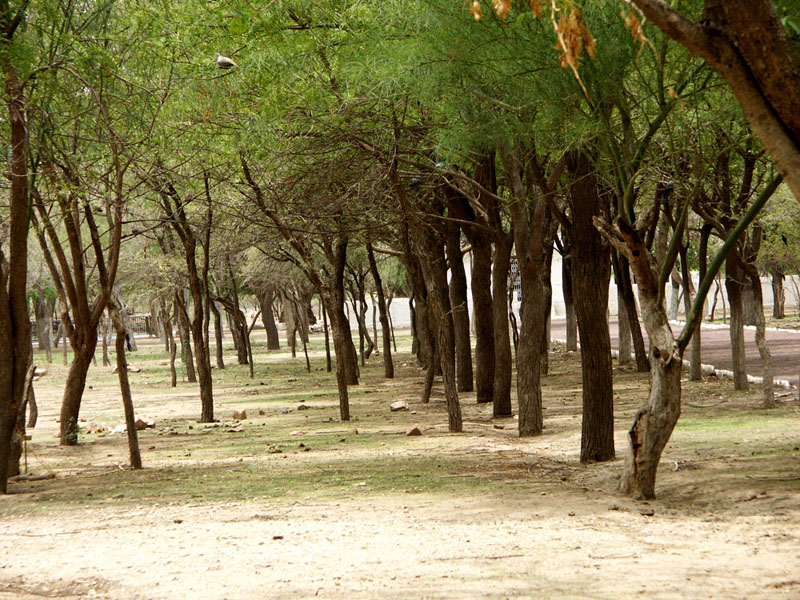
x=415, y=430
x=303, y=407
x=118, y=496
x=141, y=425
x=648, y=512
x=399, y=405
x=239, y=415
x=499, y=427
x=355, y=432
x=285, y=411
x=274, y=450
x=297, y=433
x=236, y=429
x=151, y=447
x=177, y=521
x=261, y=411
x=277, y=537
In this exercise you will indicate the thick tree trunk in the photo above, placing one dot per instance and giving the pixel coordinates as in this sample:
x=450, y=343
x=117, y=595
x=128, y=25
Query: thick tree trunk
x=483, y=308
x=73, y=391
x=458, y=300
x=591, y=274
x=386, y=333
x=734, y=279
x=501, y=395
x=268, y=318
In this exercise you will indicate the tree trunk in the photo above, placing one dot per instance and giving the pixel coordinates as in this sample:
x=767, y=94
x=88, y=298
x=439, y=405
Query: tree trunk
x=435, y=269
x=217, y=334
x=483, y=309
x=328, y=366
x=43, y=309
x=591, y=274
x=632, y=312
x=289, y=321
x=768, y=371
x=187, y=356
x=624, y=327
x=569, y=299
x=268, y=318
x=501, y=395
x=386, y=332
x=341, y=332
x=734, y=279
x=125, y=390
x=104, y=330
x=73, y=391
x=695, y=368
x=778, y=294
x=458, y=300
x=167, y=322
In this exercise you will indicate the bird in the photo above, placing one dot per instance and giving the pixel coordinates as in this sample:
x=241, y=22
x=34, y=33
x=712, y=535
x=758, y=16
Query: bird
x=223, y=62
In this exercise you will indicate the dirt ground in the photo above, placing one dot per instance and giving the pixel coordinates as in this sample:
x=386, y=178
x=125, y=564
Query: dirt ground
x=292, y=503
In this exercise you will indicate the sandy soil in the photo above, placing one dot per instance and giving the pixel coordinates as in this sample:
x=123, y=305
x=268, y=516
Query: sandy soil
x=535, y=524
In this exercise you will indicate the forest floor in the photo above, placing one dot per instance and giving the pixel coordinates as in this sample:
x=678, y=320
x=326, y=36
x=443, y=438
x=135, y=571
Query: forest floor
x=293, y=503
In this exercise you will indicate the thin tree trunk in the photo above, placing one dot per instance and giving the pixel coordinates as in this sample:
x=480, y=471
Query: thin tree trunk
x=328, y=366
x=734, y=278
x=624, y=328
x=501, y=395
x=125, y=390
x=483, y=308
x=458, y=300
x=778, y=294
x=388, y=364
x=768, y=372
x=187, y=356
x=217, y=334
x=569, y=299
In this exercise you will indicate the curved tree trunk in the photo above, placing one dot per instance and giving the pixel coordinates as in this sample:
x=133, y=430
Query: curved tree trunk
x=125, y=389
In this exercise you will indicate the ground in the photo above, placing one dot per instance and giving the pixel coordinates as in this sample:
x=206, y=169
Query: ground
x=292, y=503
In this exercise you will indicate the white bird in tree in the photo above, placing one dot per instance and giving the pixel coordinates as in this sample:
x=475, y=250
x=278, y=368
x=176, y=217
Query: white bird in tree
x=223, y=62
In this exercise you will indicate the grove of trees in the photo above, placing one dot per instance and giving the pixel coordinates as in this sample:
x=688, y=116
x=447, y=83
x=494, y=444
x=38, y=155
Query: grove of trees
x=348, y=154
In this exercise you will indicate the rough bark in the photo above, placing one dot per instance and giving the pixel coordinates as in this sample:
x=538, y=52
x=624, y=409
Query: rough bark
x=501, y=394
x=591, y=274
x=476, y=231
x=625, y=345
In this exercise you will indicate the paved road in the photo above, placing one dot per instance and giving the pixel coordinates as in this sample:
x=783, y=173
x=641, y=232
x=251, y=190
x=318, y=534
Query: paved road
x=784, y=347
